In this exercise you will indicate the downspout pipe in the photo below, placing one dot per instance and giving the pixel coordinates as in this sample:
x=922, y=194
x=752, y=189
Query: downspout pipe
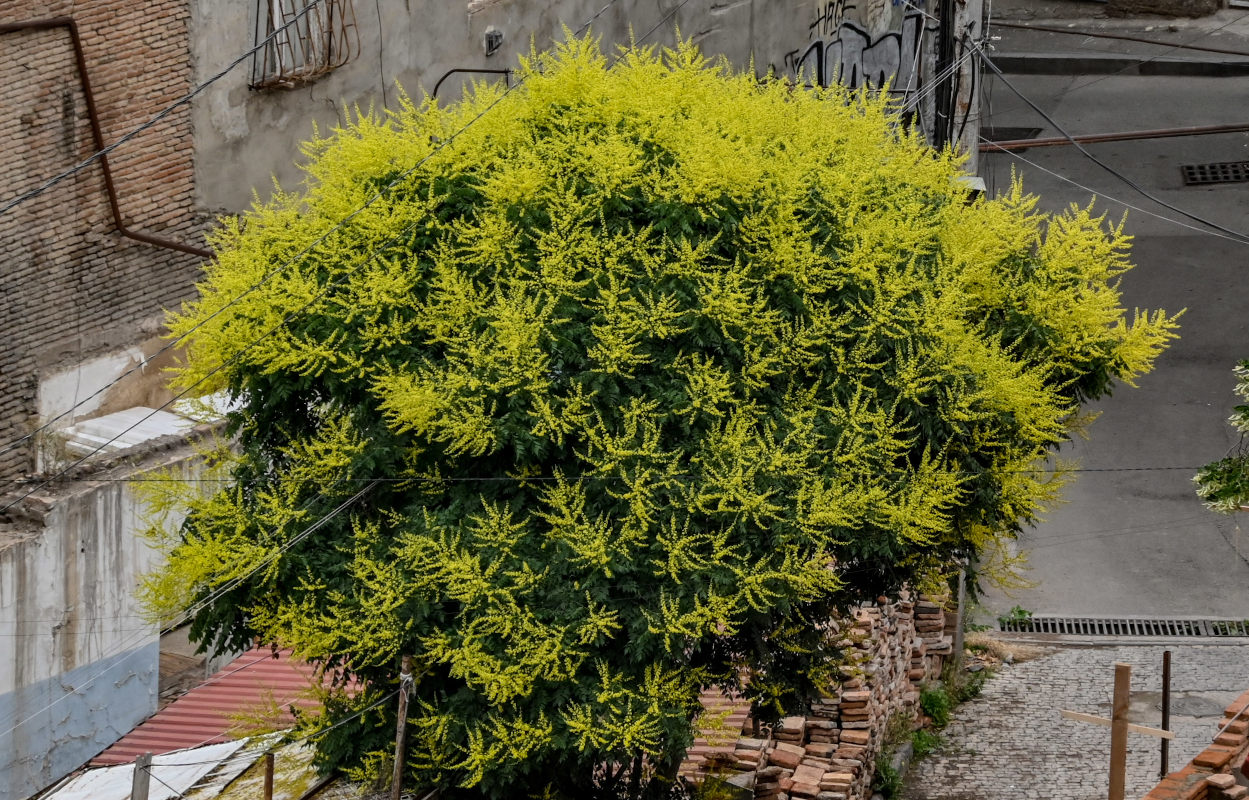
x=97, y=135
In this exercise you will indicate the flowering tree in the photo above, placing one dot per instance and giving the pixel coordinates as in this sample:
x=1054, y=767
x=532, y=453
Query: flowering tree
x=643, y=372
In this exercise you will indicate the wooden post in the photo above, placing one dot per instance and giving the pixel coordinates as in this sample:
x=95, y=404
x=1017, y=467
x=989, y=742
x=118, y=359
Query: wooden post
x=1166, y=711
x=269, y=775
x=1119, y=730
x=142, y=777
x=961, y=611
x=405, y=680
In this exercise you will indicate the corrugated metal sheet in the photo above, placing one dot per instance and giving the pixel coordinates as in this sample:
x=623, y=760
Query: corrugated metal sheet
x=206, y=714
x=172, y=775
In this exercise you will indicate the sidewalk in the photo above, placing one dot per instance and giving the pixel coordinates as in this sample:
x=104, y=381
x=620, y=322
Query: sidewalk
x=1011, y=742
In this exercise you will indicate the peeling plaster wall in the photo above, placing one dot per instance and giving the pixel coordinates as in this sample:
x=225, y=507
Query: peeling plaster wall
x=245, y=137
x=79, y=666
x=63, y=737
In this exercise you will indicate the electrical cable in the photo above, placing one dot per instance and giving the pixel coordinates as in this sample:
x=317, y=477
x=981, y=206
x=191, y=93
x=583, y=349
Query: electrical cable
x=381, y=192
x=186, y=98
x=152, y=775
x=1236, y=235
x=230, y=585
x=253, y=756
x=195, y=608
x=1206, y=231
x=551, y=478
x=1120, y=37
x=1120, y=72
x=269, y=274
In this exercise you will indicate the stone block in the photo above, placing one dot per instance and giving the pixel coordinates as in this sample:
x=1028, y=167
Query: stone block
x=806, y=773
x=784, y=758
x=1221, y=781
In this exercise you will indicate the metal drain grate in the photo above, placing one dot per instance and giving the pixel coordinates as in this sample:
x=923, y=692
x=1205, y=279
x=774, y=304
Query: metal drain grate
x=1215, y=172
x=1110, y=626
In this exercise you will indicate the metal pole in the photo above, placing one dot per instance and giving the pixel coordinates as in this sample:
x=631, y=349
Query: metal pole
x=269, y=776
x=405, y=681
x=142, y=777
x=1166, y=711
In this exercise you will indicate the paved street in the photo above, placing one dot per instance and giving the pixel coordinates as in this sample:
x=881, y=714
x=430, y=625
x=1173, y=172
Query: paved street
x=1133, y=539
x=1011, y=743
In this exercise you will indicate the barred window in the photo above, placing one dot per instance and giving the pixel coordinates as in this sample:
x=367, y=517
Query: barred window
x=312, y=37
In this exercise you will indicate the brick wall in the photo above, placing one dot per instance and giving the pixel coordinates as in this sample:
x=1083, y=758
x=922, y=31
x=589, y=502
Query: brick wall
x=1212, y=774
x=70, y=286
x=831, y=753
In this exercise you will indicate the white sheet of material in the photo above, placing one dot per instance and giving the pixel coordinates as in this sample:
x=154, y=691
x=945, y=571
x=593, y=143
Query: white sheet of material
x=172, y=774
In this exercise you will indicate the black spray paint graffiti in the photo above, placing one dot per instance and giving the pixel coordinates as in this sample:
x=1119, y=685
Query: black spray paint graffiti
x=851, y=57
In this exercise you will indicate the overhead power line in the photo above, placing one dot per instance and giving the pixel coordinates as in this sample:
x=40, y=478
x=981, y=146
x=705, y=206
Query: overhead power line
x=1188, y=44
x=186, y=98
x=991, y=147
x=195, y=608
x=268, y=275
x=339, y=509
x=1236, y=235
x=1171, y=46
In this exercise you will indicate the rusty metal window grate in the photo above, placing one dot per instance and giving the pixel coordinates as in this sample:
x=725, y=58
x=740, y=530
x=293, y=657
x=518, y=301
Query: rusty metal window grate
x=1127, y=626
x=1215, y=172
x=309, y=38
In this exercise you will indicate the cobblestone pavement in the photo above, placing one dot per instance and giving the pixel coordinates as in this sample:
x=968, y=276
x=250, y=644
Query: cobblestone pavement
x=1011, y=743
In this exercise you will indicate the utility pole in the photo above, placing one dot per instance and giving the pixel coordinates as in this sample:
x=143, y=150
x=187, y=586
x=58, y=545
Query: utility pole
x=969, y=36
x=405, y=683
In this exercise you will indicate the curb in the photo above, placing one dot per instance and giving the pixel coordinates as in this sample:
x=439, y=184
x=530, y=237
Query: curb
x=1083, y=64
x=1068, y=640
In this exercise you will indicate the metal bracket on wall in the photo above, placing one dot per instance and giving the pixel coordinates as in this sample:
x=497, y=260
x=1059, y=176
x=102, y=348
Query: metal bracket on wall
x=97, y=135
x=506, y=73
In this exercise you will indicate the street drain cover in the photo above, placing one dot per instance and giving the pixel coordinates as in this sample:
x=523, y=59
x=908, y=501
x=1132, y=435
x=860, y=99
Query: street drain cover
x=1215, y=172
x=1126, y=626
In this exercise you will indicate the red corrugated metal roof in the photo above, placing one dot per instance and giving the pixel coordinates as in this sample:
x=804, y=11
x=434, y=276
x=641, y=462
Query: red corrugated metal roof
x=203, y=715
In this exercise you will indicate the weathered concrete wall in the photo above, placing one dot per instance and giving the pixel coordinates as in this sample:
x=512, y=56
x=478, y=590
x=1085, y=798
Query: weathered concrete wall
x=243, y=137
x=79, y=666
